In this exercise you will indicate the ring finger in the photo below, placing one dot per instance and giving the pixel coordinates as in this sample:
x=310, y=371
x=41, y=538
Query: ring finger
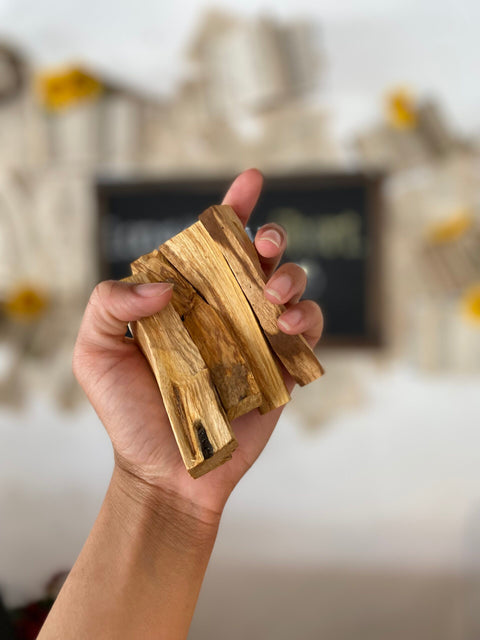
x=286, y=285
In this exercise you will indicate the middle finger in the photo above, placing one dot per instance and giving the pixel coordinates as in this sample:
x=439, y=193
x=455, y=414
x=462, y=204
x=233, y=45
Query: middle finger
x=270, y=243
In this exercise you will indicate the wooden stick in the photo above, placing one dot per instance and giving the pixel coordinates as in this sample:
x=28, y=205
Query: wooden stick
x=201, y=429
x=196, y=255
x=225, y=228
x=234, y=381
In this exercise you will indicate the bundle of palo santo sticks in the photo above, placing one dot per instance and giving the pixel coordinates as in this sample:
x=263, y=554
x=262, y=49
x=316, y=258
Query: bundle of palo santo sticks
x=215, y=349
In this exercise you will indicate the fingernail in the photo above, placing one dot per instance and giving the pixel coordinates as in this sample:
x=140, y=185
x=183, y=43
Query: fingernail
x=151, y=289
x=290, y=319
x=273, y=236
x=280, y=287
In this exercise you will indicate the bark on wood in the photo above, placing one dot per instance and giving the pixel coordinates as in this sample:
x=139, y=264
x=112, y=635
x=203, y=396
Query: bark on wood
x=199, y=423
x=198, y=258
x=234, y=381
x=227, y=231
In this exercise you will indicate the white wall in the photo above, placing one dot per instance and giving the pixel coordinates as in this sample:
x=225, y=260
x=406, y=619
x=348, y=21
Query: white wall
x=371, y=45
x=392, y=482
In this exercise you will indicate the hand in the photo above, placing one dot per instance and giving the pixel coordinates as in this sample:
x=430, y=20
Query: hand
x=121, y=387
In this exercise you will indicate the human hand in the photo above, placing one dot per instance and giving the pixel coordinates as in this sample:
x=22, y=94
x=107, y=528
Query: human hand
x=121, y=387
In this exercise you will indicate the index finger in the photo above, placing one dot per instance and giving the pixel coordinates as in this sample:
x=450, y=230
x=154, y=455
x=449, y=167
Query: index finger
x=244, y=192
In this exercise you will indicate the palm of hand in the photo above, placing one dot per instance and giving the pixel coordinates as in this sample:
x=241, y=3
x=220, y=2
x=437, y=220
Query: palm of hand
x=141, y=434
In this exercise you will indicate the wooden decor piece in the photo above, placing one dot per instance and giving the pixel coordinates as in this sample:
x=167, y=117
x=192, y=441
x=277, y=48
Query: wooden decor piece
x=198, y=258
x=201, y=428
x=224, y=226
x=234, y=381
x=211, y=348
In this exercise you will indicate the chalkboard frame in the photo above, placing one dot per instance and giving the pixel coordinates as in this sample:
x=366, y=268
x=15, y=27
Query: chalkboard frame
x=372, y=182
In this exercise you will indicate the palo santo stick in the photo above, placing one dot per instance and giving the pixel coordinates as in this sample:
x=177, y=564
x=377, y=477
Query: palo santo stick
x=201, y=429
x=236, y=386
x=225, y=228
x=200, y=261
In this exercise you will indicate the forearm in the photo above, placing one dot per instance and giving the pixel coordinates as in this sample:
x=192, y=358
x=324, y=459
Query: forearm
x=140, y=571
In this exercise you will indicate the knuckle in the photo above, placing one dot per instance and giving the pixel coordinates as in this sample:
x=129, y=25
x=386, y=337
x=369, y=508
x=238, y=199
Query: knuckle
x=102, y=292
x=312, y=306
x=295, y=271
x=315, y=312
x=102, y=300
x=299, y=273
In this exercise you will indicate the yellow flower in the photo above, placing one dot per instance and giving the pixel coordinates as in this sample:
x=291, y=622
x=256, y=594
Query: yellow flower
x=452, y=228
x=471, y=304
x=401, y=109
x=63, y=89
x=25, y=303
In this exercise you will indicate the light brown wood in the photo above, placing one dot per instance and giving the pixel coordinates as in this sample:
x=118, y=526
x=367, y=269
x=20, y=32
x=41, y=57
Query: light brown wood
x=199, y=423
x=195, y=254
x=234, y=381
x=227, y=231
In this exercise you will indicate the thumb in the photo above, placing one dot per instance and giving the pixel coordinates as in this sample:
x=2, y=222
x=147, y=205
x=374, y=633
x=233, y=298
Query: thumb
x=113, y=305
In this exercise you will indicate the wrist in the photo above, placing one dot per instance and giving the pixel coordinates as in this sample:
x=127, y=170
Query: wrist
x=140, y=569
x=184, y=524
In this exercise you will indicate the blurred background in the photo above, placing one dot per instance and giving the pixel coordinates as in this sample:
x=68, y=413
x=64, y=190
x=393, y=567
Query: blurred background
x=119, y=123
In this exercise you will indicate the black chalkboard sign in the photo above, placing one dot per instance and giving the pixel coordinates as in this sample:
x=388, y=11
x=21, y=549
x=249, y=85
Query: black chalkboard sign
x=332, y=220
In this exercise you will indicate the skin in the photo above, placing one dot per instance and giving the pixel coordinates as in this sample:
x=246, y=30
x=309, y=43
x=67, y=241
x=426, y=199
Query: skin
x=140, y=571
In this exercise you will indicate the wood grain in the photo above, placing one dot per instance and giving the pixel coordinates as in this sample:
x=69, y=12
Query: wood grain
x=227, y=231
x=197, y=257
x=233, y=379
x=199, y=423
